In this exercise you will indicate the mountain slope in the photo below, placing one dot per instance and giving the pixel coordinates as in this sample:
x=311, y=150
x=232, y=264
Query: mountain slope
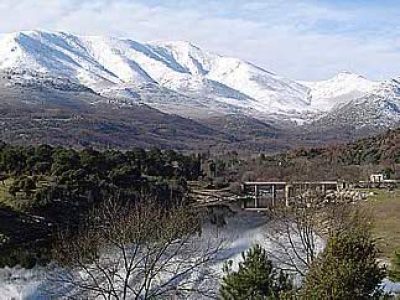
x=378, y=109
x=70, y=114
x=339, y=90
x=381, y=148
x=234, y=98
x=44, y=109
x=169, y=74
x=110, y=64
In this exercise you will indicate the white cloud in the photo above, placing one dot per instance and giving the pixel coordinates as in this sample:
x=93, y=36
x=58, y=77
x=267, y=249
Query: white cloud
x=298, y=39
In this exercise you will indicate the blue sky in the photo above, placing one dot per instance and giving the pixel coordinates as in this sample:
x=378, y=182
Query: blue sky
x=300, y=39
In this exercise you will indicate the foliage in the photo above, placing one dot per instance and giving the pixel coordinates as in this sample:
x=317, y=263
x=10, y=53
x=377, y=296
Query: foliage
x=59, y=186
x=256, y=278
x=377, y=149
x=348, y=267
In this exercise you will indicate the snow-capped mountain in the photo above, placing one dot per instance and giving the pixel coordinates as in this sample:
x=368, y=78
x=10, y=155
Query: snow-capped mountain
x=340, y=89
x=126, y=69
x=175, y=77
x=376, y=110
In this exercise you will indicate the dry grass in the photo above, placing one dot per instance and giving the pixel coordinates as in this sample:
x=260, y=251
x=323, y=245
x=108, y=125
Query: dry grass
x=385, y=207
x=5, y=197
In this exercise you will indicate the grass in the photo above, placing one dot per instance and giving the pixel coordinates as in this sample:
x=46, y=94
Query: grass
x=5, y=197
x=20, y=202
x=385, y=207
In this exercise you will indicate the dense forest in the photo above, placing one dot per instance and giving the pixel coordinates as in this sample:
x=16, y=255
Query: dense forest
x=45, y=189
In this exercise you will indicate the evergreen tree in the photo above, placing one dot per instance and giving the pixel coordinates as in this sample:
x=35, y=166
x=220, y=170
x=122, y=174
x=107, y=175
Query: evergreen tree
x=256, y=278
x=347, y=268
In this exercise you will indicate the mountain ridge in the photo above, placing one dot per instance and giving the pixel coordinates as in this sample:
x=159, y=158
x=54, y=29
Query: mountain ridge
x=109, y=65
x=179, y=78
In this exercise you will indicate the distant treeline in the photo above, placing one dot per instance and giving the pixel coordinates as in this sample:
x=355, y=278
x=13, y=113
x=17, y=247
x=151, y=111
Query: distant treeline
x=383, y=148
x=351, y=162
x=44, y=189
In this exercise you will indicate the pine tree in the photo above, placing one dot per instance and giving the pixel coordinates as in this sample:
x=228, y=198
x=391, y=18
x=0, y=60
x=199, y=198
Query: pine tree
x=346, y=269
x=395, y=269
x=256, y=278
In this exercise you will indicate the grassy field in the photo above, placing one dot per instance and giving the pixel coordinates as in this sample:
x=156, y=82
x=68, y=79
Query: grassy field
x=385, y=207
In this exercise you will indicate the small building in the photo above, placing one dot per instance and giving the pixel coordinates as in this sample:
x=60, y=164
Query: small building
x=377, y=178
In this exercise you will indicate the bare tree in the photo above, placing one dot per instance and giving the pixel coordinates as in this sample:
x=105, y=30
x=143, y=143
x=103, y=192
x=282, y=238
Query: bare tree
x=135, y=251
x=293, y=242
x=296, y=232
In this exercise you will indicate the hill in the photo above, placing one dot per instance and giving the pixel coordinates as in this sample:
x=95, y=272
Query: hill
x=378, y=149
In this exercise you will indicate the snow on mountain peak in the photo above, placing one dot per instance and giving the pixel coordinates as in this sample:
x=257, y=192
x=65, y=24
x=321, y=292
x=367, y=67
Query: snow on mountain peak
x=338, y=90
x=107, y=63
x=348, y=74
x=120, y=67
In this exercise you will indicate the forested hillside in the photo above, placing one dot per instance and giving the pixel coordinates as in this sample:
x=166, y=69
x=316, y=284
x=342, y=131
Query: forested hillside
x=354, y=161
x=376, y=149
x=46, y=189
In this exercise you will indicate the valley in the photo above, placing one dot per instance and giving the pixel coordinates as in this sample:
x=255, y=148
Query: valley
x=160, y=170
x=112, y=89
